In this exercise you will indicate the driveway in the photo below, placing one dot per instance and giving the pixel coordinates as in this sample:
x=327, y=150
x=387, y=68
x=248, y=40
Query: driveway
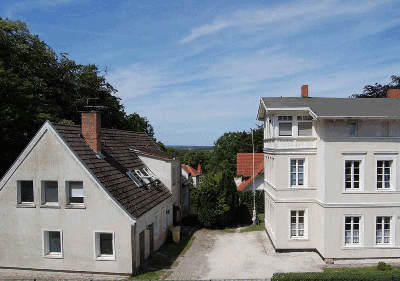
x=249, y=255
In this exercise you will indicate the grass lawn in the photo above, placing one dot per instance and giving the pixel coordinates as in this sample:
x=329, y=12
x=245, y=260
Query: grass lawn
x=259, y=227
x=159, y=264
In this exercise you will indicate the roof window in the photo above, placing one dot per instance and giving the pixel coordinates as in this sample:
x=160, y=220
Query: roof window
x=132, y=177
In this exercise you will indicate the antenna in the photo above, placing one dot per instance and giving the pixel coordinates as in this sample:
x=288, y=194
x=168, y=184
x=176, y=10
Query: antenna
x=93, y=107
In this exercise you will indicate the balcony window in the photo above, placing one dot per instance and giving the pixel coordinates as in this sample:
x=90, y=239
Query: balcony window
x=285, y=125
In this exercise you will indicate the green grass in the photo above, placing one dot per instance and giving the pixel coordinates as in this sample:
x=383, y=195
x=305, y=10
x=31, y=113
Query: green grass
x=158, y=265
x=259, y=227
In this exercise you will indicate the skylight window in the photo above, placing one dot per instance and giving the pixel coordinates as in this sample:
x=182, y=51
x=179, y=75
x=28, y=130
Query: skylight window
x=132, y=177
x=149, y=173
x=142, y=176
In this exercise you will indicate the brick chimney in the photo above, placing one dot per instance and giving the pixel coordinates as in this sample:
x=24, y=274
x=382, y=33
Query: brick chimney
x=304, y=91
x=91, y=127
x=199, y=171
x=393, y=93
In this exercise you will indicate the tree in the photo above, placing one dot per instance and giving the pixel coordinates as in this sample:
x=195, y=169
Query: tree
x=37, y=85
x=194, y=158
x=378, y=90
x=217, y=199
x=229, y=145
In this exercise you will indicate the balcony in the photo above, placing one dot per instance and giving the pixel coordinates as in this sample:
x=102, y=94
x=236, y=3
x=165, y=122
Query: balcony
x=291, y=143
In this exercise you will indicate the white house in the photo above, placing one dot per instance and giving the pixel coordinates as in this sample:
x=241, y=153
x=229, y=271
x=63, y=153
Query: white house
x=81, y=199
x=244, y=168
x=331, y=174
x=191, y=174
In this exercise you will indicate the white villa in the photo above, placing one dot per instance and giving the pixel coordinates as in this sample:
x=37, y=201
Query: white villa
x=331, y=181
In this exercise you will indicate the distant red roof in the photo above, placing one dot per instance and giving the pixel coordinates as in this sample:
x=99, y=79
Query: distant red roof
x=257, y=170
x=191, y=171
x=245, y=163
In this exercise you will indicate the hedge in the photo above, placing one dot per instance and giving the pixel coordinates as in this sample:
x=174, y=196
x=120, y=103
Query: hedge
x=338, y=276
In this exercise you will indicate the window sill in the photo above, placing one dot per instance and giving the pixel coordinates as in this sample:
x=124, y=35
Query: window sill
x=384, y=246
x=352, y=247
x=50, y=206
x=299, y=239
x=26, y=205
x=75, y=206
x=105, y=258
x=54, y=256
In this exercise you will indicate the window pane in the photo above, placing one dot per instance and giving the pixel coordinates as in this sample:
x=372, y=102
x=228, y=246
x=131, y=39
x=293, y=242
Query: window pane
x=51, y=191
x=353, y=129
x=356, y=185
x=305, y=128
x=54, y=242
x=26, y=191
x=285, y=129
x=76, y=192
x=106, y=244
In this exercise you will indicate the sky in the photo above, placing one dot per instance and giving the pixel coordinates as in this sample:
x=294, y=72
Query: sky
x=197, y=69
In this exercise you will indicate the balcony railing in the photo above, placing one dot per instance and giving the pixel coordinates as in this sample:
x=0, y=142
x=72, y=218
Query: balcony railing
x=291, y=143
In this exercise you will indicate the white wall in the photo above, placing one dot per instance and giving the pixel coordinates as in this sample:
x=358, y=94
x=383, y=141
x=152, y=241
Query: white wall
x=21, y=229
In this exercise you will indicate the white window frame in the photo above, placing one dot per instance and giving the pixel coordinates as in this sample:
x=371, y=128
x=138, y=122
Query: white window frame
x=19, y=194
x=150, y=173
x=97, y=255
x=386, y=156
x=305, y=210
x=46, y=245
x=304, y=119
x=134, y=178
x=68, y=194
x=43, y=193
x=285, y=119
x=392, y=231
x=164, y=218
x=305, y=172
x=354, y=156
x=156, y=224
x=361, y=231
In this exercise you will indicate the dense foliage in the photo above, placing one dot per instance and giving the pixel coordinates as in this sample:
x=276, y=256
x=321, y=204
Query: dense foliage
x=378, y=90
x=247, y=197
x=218, y=200
x=38, y=85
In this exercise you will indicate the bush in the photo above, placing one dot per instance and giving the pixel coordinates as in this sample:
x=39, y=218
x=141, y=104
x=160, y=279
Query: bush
x=384, y=266
x=336, y=276
x=247, y=197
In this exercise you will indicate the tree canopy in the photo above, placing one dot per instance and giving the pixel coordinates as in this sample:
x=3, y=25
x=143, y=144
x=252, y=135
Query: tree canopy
x=378, y=90
x=38, y=85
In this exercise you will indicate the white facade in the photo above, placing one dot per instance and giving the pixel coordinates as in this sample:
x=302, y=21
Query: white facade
x=51, y=232
x=325, y=186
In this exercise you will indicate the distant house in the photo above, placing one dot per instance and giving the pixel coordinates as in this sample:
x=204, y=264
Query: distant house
x=192, y=174
x=244, y=169
x=83, y=198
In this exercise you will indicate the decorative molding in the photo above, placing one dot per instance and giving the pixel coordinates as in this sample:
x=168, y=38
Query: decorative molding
x=386, y=152
x=354, y=152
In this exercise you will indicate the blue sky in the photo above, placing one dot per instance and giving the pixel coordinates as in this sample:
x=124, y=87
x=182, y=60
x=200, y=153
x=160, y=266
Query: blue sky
x=197, y=69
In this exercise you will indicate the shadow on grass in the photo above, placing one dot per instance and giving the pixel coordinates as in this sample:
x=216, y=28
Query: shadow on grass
x=159, y=264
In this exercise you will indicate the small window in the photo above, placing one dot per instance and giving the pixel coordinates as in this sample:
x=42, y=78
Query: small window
x=50, y=192
x=296, y=172
x=105, y=245
x=383, y=230
x=304, y=118
x=353, y=129
x=75, y=192
x=52, y=244
x=297, y=224
x=352, y=230
x=384, y=175
x=352, y=175
x=156, y=224
x=284, y=118
x=142, y=176
x=385, y=129
x=285, y=128
x=132, y=177
x=148, y=173
x=305, y=129
x=25, y=192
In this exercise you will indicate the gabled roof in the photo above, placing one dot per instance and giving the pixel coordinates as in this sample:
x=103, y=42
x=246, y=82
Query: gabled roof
x=190, y=170
x=329, y=108
x=111, y=171
x=158, y=153
x=258, y=170
x=244, y=163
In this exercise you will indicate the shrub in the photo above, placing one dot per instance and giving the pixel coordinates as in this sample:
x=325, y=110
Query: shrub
x=336, y=276
x=247, y=197
x=384, y=266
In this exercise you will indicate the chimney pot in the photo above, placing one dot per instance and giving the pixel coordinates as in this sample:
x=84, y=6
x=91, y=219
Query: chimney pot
x=304, y=91
x=393, y=93
x=91, y=128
